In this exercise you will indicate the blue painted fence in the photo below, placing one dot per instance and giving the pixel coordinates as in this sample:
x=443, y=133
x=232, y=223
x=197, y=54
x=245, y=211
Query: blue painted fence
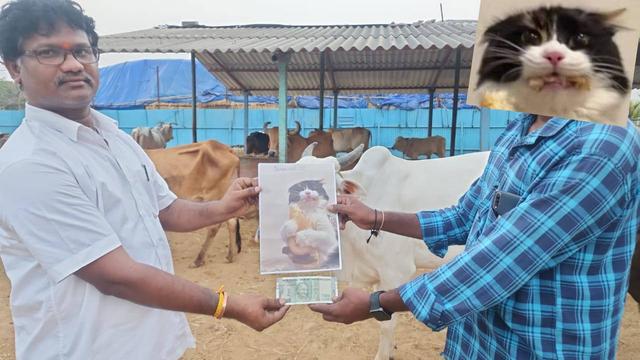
x=226, y=125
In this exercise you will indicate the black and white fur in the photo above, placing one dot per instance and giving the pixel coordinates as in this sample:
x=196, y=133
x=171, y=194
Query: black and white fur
x=311, y=199
x=519, y=48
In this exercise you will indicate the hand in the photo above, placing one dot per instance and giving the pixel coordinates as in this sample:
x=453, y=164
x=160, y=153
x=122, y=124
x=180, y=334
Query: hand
x=255, y=311
x=240, y=197
x=350, y=208
x=351, y=306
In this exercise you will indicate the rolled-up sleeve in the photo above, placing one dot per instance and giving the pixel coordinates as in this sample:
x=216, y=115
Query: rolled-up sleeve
x=568, y=208
x=53, y=218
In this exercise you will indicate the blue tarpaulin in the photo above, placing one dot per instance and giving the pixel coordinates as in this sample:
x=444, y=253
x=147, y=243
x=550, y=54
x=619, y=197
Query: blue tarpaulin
x=134, y=84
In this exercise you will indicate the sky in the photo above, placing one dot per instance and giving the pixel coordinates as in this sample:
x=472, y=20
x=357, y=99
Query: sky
x=118, y=16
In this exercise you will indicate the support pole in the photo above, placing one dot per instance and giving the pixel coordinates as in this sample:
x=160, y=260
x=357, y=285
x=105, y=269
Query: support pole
x=321, y=122
x=283, y=61
x=432, y=92
x=194, y=112
x=456, y=89
x=335, y=108
x=246, y=118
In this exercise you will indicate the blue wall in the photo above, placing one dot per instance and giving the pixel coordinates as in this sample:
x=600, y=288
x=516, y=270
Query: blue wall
x=226, y=125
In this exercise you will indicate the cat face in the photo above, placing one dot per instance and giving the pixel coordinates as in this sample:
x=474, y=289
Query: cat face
x=307, y=192
x=554, y=49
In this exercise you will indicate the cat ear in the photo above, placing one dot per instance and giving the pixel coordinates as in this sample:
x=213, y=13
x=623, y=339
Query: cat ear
x=611, y=15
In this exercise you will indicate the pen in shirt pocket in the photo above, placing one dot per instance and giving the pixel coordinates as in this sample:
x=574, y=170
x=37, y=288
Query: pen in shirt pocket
x=146, y=173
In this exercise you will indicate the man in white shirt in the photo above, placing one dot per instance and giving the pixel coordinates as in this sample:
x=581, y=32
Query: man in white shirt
x=83, y=211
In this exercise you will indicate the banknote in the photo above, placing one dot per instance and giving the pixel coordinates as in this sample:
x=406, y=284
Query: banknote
x=306, y=289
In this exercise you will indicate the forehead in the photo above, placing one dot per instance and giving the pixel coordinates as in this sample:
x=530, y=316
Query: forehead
x=63, y=36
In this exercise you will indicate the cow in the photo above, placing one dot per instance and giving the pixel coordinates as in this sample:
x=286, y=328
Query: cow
x=414, y=147
x=296, y=143
x=201, y=171
x=634, y=275
x=257, y=143
x=346, y=140
x=3, y=139
x=387, y=182
x=155, y=137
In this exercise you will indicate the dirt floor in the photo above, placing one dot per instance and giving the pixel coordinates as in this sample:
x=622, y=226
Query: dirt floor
x=301, y=334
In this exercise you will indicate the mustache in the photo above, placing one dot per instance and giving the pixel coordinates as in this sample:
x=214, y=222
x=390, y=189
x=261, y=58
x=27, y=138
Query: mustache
x=63, y=79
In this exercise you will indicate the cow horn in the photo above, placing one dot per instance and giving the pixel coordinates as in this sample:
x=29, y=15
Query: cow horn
x=308, y=151
x=265, y=126
x=350, y=158
x=297, y=130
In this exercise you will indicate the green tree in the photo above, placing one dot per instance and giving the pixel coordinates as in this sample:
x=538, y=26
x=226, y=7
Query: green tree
x=10, y=97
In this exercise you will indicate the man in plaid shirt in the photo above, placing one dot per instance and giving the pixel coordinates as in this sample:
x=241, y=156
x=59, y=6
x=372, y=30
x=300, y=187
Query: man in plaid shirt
x=545, y=279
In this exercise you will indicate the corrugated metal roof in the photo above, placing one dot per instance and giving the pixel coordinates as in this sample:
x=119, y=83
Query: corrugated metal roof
x=379, y=58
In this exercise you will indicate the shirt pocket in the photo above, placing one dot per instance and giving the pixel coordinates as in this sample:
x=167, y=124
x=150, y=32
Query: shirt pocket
x=144, y=190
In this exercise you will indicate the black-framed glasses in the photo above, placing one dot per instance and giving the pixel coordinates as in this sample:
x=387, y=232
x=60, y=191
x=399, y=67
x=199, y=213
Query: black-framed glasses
x=57, y=56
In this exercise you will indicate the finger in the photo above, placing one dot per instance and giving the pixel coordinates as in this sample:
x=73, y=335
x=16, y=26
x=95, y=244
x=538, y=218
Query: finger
x=249, y=192
x=338, y=298
x=275, y=316
x=272, y=304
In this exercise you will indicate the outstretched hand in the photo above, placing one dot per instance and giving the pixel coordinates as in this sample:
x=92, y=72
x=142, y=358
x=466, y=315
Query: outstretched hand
x=350, y=208
x=351, y=306
x=255, y=311
x=241, y=196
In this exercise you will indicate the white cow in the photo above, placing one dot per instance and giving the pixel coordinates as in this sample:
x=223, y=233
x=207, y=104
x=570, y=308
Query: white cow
x=386, y=182
x=155, y=137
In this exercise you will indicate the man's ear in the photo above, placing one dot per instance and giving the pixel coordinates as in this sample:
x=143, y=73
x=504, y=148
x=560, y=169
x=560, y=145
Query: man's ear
x=14, y=70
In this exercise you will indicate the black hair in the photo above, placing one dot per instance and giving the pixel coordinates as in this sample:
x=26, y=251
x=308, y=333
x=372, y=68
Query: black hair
x=20, y=19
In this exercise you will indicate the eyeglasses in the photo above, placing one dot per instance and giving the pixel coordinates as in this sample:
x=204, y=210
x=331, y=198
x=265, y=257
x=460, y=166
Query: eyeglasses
x=57, y=56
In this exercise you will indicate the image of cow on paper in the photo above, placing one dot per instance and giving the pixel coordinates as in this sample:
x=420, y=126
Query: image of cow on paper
x=309, y=236
x=556, y=61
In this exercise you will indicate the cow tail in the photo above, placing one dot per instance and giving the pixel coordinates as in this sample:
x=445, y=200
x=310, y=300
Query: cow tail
x=238, y=237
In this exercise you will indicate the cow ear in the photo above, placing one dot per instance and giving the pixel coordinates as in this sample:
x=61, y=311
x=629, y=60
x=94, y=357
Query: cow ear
x=350, y=187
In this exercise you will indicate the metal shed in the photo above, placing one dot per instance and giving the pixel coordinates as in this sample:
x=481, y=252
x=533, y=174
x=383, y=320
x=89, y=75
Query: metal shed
x=265, y=59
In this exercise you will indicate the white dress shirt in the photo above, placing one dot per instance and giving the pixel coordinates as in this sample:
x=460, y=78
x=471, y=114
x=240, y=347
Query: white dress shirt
x=69, y=195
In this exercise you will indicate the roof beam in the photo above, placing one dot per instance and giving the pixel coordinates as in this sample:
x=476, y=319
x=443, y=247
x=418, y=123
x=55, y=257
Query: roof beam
x=224, y=69
x=381, y=90
x=332, y=71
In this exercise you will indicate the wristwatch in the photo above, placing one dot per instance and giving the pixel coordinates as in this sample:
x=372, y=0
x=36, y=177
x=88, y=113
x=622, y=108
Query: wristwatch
x=376, y=310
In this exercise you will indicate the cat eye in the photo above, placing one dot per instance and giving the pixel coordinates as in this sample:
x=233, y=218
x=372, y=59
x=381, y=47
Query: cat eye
x=580, y=39
x=531, y=37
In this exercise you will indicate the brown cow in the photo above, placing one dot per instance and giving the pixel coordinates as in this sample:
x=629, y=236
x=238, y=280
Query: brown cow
x=156, y=137
x=634, y=276
x=296, y=143
x=3, y=139
x=201, y=171
x=345, y=140
x=414, y=147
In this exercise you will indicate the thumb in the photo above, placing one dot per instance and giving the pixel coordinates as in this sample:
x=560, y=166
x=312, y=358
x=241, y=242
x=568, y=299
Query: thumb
x=249, y=192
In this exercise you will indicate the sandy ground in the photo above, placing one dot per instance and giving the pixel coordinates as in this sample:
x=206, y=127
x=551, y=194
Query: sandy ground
x=301, y=334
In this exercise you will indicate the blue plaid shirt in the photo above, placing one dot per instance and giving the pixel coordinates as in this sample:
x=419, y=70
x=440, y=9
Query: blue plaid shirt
x=547, y=279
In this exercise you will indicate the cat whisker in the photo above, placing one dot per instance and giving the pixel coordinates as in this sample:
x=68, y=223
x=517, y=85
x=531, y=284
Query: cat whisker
x=501, y=39
x=516, y=69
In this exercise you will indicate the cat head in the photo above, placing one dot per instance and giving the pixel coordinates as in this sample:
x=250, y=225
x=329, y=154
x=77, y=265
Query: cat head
x=308, y=192
x=554, y=49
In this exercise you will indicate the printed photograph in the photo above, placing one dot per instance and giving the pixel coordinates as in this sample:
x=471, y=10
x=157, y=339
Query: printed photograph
x=297, y=232
x=573, y=59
